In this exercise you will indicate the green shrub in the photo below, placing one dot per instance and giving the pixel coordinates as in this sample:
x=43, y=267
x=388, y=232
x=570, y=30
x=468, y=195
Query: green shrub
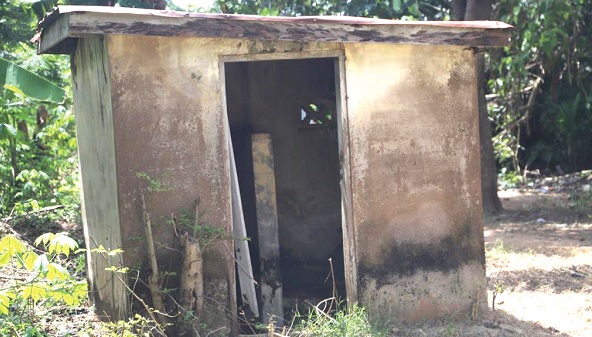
x=352, y=321
x=34, y=279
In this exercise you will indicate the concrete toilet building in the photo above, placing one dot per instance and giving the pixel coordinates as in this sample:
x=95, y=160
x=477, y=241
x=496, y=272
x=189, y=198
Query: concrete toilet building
x=351, y=147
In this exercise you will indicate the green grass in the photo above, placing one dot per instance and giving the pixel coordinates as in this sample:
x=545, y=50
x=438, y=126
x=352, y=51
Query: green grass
x=345, y=321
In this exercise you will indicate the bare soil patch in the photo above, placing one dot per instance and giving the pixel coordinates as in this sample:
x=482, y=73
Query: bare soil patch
x=539, y=254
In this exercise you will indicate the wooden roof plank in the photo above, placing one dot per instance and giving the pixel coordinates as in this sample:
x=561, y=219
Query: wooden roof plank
x=89, y=20
x=54, y=34
x=301, y=19
x=100, y=23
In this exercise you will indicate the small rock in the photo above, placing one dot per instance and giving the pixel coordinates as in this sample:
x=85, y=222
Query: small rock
x=553, y=330
x=559, y=170
x=513, y=329
x=491, y=325
x=476, y=331
x=541, y=220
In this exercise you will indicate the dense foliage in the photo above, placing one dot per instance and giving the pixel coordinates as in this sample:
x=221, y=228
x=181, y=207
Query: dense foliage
x=405, y=9
x=540, y=86
x=38, y=162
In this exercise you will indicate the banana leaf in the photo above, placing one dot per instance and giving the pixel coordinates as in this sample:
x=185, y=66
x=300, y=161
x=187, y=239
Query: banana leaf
x=24, y=82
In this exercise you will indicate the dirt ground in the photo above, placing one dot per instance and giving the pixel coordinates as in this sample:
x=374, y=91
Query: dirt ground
x=539, y=254
x=539, y=266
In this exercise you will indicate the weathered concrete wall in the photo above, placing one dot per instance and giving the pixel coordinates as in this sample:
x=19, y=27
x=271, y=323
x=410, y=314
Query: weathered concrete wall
x=94, y=131
x=414, y=163
x=169, y=122
x=415, y=179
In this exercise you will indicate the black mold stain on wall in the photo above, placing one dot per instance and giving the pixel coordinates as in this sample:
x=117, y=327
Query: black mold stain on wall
x=445, y=255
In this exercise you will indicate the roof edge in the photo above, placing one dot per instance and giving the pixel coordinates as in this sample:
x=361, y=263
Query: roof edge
x=102, y=20
x=63, y=9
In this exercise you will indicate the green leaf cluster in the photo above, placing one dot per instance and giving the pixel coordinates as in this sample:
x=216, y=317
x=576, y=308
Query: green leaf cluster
x=344, y=321
x=25, y=83
x=101, y=250
x=46, y=280
x=154, y=184
x=202, y=231
x=135, y=326
x=386, y=9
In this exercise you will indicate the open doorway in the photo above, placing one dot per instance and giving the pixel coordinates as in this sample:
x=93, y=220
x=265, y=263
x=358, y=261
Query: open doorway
x=295, y=103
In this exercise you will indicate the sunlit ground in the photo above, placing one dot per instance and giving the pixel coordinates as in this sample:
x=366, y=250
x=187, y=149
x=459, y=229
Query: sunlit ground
x=539, y=255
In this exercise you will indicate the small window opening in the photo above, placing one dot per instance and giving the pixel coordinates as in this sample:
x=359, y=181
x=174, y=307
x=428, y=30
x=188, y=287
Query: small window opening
x=317, y=115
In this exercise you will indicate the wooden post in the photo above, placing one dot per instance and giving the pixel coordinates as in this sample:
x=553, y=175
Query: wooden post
x=267, y=224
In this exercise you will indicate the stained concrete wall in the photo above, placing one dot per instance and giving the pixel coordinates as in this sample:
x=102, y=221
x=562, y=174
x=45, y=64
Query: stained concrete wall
x=414, y=151
x=169, y=122
x=414, y=148
x=94, y=130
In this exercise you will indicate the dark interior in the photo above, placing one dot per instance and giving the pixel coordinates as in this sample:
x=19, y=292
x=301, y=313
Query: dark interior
x=294, y=101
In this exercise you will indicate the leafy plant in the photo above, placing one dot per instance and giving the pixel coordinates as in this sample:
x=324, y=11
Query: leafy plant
x=38, y=152
x=40, y=279
x=345, y=321
x=154, y=183
x=144, y=326
x=136, y=326
x=194, y=237
x=581, y=201
x=23, y=82
x=509, y=178
x=199, y=229
x=403, y=9
x=498, y=288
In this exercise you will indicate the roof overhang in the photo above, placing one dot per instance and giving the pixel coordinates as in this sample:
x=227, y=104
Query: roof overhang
x=60, y=29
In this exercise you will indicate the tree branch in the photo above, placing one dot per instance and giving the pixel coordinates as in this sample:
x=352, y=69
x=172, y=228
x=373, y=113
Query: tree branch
x=153, y=280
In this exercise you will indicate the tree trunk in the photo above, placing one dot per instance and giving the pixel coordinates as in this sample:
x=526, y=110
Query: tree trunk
x=191, y=286
x=491, y=201
x=459, y=8
x=468, y=10
x=156, y=4
x=154, y=279
x=477, y=9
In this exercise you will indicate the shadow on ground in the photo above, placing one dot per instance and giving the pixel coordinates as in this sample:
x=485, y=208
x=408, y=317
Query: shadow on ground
x=496, y=323
x=576, y=278
x=539, y=258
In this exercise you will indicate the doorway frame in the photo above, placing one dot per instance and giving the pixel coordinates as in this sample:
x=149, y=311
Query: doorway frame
x=343, y=137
